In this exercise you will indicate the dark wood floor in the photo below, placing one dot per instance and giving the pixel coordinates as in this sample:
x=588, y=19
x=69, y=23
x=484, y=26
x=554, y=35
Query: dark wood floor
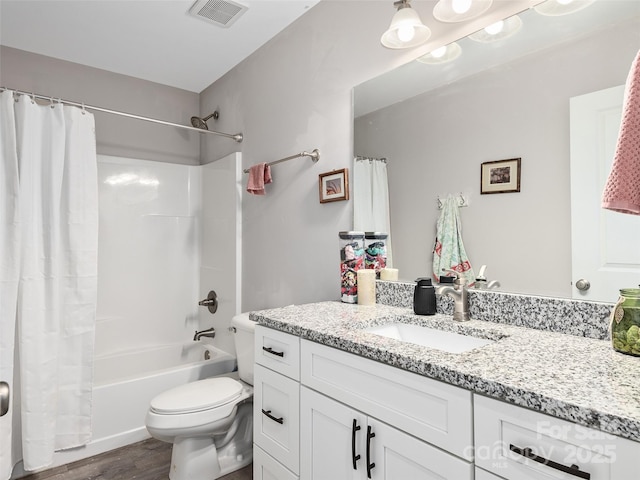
x=147, y=460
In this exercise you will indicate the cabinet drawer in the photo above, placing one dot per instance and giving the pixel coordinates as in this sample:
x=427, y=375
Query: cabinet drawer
x=278, y=351
x=266, y=468
x=430, y=410
x=520, y=444
x=276, y=416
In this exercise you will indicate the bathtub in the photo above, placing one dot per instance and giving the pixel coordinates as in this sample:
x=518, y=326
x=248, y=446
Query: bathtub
x=126, y=382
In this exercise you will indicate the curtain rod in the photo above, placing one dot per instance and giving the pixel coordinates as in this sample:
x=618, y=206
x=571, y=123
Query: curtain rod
x=315, y=156
x=237, y=137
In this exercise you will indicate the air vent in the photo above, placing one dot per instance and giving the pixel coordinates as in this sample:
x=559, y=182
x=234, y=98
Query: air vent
x=223, y=13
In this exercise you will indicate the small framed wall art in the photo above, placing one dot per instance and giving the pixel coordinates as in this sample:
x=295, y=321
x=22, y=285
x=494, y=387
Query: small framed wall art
x=334, y=185
x=500, y=176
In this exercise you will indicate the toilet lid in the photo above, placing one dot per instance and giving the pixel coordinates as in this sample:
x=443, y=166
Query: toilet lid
x=197, y=396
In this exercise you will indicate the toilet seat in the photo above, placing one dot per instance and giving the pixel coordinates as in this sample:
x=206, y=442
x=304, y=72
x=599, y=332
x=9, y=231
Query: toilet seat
x=197, y=396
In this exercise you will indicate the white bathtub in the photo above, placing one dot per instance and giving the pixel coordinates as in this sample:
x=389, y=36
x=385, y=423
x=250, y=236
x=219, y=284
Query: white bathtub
x=125, y=384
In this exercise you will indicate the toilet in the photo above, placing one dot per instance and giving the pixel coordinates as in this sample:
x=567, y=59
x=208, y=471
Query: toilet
x=210, y=421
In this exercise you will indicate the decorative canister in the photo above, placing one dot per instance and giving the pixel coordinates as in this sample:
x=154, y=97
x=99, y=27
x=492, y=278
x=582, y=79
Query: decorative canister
x=625, y=322
x=375, y=251
x=351, y=260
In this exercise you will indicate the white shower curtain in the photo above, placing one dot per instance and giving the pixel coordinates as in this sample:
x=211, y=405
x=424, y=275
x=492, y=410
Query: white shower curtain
x=371, y=198
x=48, y=274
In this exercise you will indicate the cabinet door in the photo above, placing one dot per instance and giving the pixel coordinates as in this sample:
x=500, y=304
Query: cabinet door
x=331, y=439
x=276, y=414
x=395, y=455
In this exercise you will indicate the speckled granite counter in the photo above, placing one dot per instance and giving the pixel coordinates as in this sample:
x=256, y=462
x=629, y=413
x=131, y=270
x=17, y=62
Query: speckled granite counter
x=570, y=377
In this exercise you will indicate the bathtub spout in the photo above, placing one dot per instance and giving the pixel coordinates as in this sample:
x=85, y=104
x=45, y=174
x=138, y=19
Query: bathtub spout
x=209, y=332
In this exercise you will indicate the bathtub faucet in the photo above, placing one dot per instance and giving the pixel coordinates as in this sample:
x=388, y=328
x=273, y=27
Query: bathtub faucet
x=209, y=332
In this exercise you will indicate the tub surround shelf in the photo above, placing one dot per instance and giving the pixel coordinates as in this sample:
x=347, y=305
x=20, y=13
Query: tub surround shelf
x=582, y=380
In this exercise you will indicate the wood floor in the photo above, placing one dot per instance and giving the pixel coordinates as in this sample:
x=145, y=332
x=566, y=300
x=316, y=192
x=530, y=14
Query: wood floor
x=147, y=460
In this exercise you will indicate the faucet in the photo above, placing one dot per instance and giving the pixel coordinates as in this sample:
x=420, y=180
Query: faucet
x=209, y=332
x=460, y=296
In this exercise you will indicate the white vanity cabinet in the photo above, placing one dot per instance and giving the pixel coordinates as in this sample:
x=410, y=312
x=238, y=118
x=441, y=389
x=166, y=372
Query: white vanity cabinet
x=361, y=419
x=520, y=444
x=276, y=405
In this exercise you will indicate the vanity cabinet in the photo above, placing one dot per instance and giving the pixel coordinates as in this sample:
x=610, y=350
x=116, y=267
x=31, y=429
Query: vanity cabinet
x=362, y=419
x=520, y=444
x=276, y=405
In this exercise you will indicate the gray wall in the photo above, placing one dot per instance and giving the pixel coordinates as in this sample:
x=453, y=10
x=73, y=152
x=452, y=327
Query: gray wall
x=518, y=110
x=115, y=135
x=294, y=94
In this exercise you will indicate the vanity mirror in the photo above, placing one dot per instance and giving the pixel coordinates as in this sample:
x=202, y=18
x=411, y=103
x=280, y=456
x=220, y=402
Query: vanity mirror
x=436, y=125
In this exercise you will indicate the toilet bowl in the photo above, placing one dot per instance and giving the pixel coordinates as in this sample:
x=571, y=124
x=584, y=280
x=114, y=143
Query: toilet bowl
x=210, y=421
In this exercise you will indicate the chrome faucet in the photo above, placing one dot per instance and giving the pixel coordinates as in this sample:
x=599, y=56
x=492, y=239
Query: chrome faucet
x=460, y=296
x=209, y=332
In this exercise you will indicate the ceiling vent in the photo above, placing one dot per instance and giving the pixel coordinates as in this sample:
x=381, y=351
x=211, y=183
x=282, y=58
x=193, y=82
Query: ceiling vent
x=223, y=13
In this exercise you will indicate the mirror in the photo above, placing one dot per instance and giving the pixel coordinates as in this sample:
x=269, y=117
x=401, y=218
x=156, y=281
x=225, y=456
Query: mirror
x=436, y=125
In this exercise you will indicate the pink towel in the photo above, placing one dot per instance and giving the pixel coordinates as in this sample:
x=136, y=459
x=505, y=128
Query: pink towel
x=622, y=190
x=259, y=176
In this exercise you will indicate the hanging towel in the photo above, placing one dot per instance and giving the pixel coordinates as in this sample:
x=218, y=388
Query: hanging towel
x=259, y=176
x=622, y=190
x=449, y=252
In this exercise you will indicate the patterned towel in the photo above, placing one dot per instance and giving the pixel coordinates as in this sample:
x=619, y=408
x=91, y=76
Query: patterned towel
x=449, y=252
x=622, y=190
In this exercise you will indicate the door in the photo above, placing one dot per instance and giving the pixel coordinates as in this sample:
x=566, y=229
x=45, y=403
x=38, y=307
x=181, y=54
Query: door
x=399, y=456
x=604, y=244
x=331, y=439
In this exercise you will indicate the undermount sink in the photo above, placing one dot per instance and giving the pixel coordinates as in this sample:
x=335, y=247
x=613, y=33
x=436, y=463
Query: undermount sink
x=429, y=337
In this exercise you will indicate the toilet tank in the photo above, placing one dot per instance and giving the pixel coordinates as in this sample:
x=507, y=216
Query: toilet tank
x=244, y=330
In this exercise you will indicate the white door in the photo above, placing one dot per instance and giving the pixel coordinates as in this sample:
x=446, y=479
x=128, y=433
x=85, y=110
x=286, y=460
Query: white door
x=604, y=244
x=331, y=439
x=399, y=456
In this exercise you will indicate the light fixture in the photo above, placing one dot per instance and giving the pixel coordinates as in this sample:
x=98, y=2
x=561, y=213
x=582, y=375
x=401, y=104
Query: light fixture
x=451, y=11
x=555, y=8
x=440, y=55
x=406, y=29
x=498, y=30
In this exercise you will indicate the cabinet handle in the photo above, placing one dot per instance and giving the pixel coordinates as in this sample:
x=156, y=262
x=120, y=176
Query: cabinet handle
x=268, y=414
x=370, y=465
x=572, y=470
x=273, y=352
x=354, y=428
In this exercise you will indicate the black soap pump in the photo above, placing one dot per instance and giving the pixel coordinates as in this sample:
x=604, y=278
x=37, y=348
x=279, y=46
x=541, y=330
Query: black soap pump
x=424, y=297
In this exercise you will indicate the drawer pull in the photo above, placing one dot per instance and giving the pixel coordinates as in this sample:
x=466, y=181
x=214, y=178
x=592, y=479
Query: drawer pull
x=572, y=470
x=268, y=414
x=273, y=352
x=354, y=428
x=370, y=465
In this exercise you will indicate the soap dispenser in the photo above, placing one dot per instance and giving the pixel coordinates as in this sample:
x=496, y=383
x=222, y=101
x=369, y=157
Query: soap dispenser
x=424, y=297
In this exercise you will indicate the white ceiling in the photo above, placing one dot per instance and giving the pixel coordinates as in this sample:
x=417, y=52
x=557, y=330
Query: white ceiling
x=155, y=40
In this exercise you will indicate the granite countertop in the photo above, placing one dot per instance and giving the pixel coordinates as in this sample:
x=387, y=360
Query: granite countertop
x=582, y=380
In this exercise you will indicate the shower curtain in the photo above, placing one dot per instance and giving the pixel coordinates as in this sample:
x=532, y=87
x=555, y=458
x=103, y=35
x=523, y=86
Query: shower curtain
x=371, y=198
x=48, y=277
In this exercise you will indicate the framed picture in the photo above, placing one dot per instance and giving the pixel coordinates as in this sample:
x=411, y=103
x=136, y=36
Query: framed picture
x=334, y=186
x=500, y=176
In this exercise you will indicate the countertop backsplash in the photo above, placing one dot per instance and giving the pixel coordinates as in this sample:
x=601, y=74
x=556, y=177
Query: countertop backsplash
x=572, y=317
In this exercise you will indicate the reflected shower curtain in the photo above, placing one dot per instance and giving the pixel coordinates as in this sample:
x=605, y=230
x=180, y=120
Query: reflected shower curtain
x=371, y=198
x=48, y=275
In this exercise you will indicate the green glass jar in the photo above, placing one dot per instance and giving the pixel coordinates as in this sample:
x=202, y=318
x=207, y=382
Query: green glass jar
x=625, y=322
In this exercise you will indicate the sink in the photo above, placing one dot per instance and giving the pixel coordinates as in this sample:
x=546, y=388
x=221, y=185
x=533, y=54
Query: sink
x=429, y=337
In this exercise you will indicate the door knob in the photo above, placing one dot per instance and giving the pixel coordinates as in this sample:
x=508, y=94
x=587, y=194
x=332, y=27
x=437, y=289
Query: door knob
x=4, y=398
x=583, y=285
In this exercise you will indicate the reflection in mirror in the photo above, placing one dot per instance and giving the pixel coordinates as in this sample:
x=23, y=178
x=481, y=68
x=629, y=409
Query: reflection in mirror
x=439, y=125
